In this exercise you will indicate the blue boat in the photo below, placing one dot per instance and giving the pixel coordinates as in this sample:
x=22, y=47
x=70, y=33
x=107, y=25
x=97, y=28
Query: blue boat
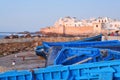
x=44, y=49
x=81, y=44
x=90, y=39
x=52, y=49
x=69, y=56
x=106, y=70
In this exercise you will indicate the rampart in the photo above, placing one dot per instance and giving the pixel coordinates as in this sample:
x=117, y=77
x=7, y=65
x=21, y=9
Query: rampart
x=69, y=30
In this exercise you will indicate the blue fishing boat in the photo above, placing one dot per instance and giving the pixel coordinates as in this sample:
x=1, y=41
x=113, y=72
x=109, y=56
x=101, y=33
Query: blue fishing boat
x=52, y=49
x=90, y=39
x=69, y=56
x=105, y=70
x=44, y=49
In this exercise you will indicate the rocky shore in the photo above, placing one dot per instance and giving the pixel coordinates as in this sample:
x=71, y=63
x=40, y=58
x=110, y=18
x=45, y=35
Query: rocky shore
x=11, y=46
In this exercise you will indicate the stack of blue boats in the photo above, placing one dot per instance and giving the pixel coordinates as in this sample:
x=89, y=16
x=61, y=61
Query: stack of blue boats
x=88, y=59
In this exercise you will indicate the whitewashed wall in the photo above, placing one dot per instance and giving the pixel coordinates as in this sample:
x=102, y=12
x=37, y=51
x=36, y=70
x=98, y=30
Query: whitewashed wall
x=110, y=38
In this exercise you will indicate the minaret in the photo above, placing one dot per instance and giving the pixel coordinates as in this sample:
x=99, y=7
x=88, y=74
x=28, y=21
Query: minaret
x=64, y=29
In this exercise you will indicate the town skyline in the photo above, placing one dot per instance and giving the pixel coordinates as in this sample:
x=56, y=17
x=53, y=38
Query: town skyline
x=74, y=26
x=17, y=16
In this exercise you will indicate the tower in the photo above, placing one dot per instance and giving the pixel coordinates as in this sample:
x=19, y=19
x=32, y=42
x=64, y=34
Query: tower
x=97, y=27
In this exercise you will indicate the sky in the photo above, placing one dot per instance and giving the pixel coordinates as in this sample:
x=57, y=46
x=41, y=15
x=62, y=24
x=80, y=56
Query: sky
x=31, y=15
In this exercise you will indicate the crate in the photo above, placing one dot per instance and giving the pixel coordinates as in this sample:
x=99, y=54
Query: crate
x=16, y=75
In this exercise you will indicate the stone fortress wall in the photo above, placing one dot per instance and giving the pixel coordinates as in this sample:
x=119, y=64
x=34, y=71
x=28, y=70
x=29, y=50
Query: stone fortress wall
x=69, y=25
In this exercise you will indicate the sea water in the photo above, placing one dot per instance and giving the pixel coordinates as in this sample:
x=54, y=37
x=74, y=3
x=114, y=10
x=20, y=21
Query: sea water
x=3, y=34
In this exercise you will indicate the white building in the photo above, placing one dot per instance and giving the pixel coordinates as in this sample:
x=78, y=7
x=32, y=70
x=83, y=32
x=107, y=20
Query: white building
x=106, y=23
x=68, y=21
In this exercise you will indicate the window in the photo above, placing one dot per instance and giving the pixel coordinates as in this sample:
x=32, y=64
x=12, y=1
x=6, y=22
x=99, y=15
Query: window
x=102, y=21
x=96, y=25
x=99, y=21
x=105, y=21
